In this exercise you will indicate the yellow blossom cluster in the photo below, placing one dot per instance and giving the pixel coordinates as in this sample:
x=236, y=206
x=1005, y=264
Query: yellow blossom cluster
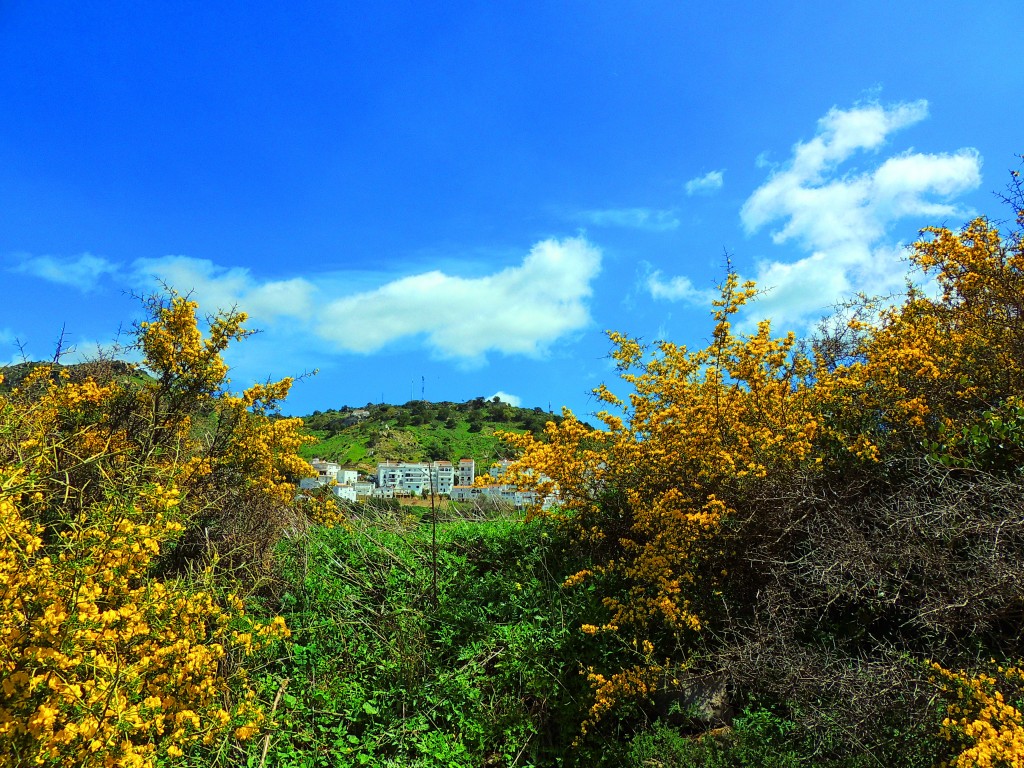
x=101, y=665
x=263, y=450
x=173, y=343
x=930, y=366
x=244, y=444
x=988, y=730
x=320, y=506
x=655, y=485
x=633, y=683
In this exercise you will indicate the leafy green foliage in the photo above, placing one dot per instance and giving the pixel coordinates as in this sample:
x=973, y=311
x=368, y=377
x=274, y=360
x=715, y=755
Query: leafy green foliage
x=383, y=673
x=995, y=442
x=758, y=739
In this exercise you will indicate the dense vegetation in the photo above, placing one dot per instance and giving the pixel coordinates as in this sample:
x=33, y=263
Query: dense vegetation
x=835, y=530
x=420, y=431
x=772, y=552
x=122, y=640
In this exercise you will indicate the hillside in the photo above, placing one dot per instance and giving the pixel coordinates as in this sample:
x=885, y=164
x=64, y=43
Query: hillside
x=100, y=370
x=419, y=431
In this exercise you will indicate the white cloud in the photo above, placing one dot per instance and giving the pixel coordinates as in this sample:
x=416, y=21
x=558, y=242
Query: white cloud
x=519, y=310
x=707, y=184
x=820, y=208
x=505, y=397
x=83, y=271
x=679, y=288
x=647, y=219
x=216, y=287
x=840, y=219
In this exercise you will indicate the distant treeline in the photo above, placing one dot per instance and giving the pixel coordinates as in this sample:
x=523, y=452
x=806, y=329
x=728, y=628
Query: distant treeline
x=476, y=412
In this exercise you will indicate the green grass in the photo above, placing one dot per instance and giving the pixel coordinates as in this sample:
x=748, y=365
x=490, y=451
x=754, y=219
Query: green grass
x=384, y=670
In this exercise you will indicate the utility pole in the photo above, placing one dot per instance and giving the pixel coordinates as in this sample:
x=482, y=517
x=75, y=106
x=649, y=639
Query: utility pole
x=433, y=533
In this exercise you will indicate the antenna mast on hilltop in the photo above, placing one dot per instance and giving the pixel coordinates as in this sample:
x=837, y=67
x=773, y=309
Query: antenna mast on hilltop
x=423, y=388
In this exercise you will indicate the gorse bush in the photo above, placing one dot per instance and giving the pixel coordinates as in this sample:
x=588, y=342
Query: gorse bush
x=103, y=661
x=817, y=523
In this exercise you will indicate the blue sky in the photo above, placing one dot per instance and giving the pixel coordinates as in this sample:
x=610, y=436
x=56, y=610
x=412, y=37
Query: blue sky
x=458, y=199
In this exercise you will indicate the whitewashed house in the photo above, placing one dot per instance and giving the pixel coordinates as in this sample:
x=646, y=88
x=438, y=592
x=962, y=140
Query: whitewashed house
x=416, y=478
x=330, y=473
x=466, y=472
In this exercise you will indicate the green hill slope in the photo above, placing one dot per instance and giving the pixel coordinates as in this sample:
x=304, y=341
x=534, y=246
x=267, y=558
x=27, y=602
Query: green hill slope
x=419, y=431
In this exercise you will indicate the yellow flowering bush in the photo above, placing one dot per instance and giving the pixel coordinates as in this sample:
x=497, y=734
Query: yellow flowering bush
x=106, y=657
x=740, y=456
x=239, y=444
x=648, y=492
x=927, y=368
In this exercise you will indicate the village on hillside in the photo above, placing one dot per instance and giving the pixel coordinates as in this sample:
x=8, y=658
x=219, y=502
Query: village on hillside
x=401, y=479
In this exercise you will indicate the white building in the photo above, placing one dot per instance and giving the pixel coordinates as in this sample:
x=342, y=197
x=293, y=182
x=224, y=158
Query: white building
x=467, y=492
x=416, y=478
x=326, y=473
x=403, y=477
x=346, y=492
x=330, y=473
x=467, y=472
x=443, y=474
x=509, y=493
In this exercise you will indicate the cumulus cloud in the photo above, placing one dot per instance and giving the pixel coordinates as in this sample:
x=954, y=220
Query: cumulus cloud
x=519, y=310
x=820, y=208
x=647, y=219
x=505, y=397
x=83, y=271
x=707, y=184
x=840, y=218
x=678, y=288
x=216, y=287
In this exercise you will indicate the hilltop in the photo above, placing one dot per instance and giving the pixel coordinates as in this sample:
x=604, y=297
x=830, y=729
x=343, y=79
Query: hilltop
x=101, y=370
x=419, y=431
